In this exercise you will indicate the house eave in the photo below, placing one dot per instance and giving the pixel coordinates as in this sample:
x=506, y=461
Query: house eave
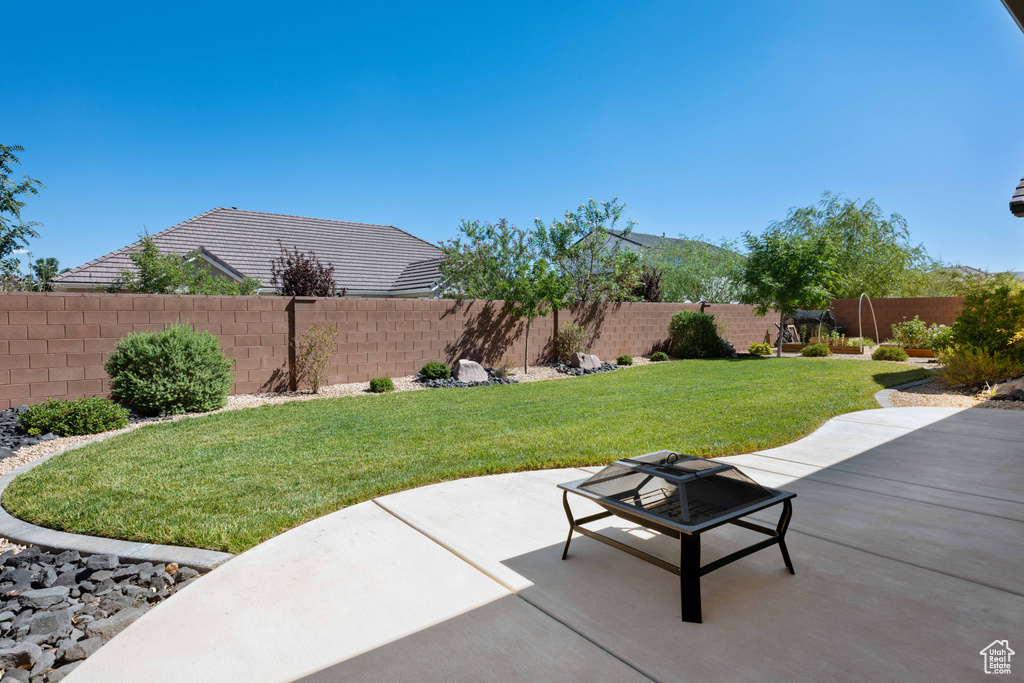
x=1016, y=10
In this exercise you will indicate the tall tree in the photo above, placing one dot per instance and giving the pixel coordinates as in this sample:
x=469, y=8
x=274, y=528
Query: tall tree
x=14, y=232
x=874, y=252
x=586, y=255
x=499, y=262
x=785, y=271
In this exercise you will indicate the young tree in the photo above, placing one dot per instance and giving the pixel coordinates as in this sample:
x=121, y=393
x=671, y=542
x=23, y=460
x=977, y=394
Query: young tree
x=785, y=271
x=499, y=262
x=159, y=273
x=696, y=270
x=14, y=232
x=595, y=265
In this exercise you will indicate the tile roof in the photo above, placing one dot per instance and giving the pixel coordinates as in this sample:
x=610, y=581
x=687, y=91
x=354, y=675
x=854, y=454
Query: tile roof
x=1017, y=201
x=645, y=240
x=365, y=257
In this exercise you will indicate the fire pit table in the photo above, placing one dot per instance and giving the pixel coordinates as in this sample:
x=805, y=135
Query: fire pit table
x=682, y=497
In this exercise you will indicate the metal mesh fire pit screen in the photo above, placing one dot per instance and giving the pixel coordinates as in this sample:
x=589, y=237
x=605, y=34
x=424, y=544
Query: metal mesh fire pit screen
x=682, y=497
x=679, y=487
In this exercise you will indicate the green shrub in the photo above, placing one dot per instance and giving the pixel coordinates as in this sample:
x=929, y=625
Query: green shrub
x=694, y=335
x=916, y=334
x=74, y=418
x=175, y=370
x=942, y=338
x=571, y=338
x=435, y=371
x=659, y=357
x=989, y=320
x=624, y=360
x=816, y=351
x=379, y=385
x=967, y=367
x=760, y=350
x=893, y=353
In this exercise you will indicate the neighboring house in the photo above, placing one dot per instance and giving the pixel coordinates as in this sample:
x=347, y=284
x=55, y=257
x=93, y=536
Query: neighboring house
x=368, y=260
x=639, y=241
x=968, y=270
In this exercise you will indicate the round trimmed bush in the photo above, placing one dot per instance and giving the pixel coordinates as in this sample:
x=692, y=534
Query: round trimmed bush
x=694, y=335
x=175, y=370
x=759, y=350
x=889, y=353
x=436, y=371
x=379, y=385
x=659, y=357
x=624, y=360
x=816, y=351
x=74, y=418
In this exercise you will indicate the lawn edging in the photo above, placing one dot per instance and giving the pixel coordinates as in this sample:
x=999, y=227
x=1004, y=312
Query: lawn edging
x=26, y=533
x=883, y=395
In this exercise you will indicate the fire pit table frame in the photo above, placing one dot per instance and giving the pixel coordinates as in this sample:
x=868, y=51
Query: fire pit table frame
x=689, y=570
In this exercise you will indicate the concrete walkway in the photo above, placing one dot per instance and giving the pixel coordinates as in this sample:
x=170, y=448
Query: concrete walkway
x=907, y=541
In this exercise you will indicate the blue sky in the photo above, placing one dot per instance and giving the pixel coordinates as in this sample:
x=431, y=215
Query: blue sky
x=703, y=117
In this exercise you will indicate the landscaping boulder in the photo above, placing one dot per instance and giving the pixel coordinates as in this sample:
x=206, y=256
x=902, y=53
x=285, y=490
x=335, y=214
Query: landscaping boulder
x=1014, y=389
x=584, y=361
x=469, y=371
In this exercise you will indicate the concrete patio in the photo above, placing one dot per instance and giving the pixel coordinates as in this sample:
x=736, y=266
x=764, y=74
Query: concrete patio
x=907, y=541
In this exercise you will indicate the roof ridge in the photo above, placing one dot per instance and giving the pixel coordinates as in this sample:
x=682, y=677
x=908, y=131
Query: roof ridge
x=315, y=218
x=125, y=249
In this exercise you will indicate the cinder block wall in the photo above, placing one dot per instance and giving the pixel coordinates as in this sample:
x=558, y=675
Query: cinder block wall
x=54, y=345
x=940, y=310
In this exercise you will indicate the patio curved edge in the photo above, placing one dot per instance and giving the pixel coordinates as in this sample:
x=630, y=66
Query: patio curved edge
x=26, y=533
x=883, y=396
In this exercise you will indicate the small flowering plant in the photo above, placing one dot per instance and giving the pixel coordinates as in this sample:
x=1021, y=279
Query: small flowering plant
x=917, y=334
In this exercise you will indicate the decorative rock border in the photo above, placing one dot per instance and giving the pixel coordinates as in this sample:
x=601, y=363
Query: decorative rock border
x=29, y=534
x=883, y=396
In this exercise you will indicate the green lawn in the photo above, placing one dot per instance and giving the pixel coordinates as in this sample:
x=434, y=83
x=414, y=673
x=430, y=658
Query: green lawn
x=231, y=480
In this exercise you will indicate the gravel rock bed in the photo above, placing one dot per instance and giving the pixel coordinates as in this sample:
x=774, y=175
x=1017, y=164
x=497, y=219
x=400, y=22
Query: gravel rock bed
x=940, y=393
x=56, y=609
x=578, y=372
x=452, y=383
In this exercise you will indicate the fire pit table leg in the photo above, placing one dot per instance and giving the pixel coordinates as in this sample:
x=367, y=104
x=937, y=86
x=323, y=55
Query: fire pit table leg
x=572, y=522
x=689, y=577
x=787, y=514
